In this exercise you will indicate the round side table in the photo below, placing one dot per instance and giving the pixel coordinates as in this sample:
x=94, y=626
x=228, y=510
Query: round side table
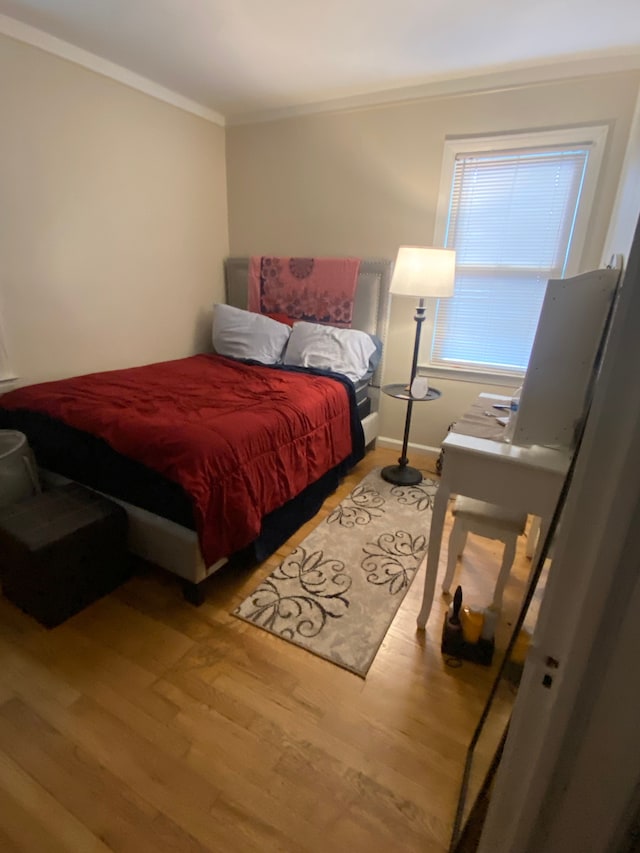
x=403, y=474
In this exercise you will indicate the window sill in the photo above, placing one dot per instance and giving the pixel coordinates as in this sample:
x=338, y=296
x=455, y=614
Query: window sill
x=480, y=377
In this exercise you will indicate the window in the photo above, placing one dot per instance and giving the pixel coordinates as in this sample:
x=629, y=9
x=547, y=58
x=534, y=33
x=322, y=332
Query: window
x=515, y=210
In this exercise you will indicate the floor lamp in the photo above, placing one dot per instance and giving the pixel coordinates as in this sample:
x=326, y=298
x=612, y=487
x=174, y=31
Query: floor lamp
x=422, y=273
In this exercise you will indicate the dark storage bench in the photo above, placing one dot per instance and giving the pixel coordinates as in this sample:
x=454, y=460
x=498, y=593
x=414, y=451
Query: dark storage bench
x=61, y=550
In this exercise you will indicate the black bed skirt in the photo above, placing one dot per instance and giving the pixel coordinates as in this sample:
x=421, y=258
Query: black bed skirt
x=92, y=462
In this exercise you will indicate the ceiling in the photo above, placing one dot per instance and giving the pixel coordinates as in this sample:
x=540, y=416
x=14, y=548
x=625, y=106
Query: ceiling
x=243, y=58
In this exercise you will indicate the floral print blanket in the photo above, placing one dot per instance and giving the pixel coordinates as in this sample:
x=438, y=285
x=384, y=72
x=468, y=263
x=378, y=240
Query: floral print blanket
x=318, y=290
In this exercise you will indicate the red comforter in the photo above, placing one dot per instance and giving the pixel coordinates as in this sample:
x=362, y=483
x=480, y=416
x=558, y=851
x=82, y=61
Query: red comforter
x=240, y=439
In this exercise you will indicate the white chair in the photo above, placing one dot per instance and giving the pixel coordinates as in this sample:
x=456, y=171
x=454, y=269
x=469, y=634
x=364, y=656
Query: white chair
x=492, y=522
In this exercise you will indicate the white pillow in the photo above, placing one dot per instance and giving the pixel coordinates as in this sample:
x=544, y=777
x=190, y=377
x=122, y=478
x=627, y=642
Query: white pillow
x=247, y=335
x=344, y=351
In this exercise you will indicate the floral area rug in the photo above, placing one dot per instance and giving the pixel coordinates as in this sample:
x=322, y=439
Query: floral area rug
x=337, y=593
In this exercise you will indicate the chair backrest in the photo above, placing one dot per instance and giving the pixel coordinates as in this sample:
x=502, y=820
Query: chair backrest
x=565, y=357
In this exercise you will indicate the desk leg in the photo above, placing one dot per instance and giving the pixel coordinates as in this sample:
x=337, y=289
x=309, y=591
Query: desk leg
x=543, y=524
x=433, y=554
x=534, y=536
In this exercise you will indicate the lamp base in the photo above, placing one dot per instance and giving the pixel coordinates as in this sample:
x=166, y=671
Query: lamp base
x=401, y=475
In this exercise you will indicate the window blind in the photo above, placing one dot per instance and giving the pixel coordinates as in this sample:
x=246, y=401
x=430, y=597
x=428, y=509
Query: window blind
x=511, y=219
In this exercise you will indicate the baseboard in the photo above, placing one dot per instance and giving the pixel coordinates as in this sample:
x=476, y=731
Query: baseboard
x=383, y=441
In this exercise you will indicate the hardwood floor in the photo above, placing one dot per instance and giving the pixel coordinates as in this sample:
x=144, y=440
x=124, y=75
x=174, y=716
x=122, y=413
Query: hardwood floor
x=144, y=723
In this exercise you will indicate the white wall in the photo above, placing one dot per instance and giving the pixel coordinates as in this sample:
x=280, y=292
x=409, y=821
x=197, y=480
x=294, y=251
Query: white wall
x=363, y=182
x=113, y=220
x=627, y=205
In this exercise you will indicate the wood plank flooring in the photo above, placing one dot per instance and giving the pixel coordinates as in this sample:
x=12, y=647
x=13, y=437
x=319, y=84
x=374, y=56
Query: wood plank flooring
x=144, y=723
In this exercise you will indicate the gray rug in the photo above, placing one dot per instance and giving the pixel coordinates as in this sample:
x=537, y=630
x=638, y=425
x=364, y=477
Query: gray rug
x=337, y=593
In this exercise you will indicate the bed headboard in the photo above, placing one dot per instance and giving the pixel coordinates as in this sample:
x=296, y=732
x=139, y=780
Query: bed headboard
x=371, y=306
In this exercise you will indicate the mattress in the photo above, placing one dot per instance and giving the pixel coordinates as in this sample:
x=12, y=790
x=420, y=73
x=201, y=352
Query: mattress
x=363, y=402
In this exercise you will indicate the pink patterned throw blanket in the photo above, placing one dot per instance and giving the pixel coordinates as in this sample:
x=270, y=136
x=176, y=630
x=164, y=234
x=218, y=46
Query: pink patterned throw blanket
x=319, y=290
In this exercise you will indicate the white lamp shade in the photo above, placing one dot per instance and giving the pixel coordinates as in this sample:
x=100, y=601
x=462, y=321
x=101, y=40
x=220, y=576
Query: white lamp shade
x=423, y=272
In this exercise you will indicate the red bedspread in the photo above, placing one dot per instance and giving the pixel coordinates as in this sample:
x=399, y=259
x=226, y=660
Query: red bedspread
x=241, y=440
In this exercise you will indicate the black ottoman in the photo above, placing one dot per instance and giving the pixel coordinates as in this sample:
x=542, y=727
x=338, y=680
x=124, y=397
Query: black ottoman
x=61, y=550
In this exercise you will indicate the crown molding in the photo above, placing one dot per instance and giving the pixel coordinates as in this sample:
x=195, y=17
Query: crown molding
x=38, y=38
x=490, y=80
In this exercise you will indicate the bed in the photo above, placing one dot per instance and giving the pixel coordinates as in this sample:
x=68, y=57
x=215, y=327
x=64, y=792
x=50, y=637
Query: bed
x=130, y=448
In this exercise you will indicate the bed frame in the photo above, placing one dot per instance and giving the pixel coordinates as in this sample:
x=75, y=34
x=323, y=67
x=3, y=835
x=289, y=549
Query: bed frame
x=176, y=548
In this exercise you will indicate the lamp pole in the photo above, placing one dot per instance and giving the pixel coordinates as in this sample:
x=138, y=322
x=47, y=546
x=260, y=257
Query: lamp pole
x=421, y=272
x=403, y=474
x=419, y=318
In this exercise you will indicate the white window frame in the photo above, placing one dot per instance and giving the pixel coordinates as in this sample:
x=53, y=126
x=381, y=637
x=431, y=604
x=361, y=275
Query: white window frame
x=593, y=135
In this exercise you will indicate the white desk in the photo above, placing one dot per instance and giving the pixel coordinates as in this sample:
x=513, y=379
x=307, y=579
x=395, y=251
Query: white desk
x=523, y=478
